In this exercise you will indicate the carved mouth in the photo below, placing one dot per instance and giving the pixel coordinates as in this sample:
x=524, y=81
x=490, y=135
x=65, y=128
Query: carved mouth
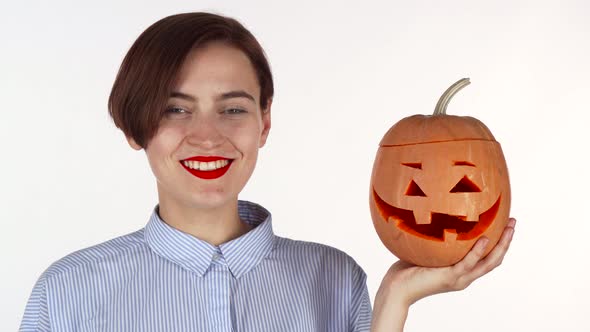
x=441, y=226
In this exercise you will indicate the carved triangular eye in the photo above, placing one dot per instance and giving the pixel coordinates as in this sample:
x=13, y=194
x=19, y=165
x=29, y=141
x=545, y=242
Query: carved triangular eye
x=414, y=190
x=465, y=186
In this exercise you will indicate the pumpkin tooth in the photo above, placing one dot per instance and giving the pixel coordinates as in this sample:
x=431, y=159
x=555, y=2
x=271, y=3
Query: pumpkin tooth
x=472, y=216
x=450, y=235
x=422, y=217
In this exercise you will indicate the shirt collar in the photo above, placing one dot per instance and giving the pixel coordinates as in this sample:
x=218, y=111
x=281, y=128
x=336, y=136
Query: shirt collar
x=241, y=254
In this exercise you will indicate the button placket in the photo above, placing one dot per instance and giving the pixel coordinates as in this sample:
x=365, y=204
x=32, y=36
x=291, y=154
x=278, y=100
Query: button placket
x=220, y=293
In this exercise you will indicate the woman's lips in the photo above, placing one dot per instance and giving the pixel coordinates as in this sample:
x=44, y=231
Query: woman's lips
x=207, y=167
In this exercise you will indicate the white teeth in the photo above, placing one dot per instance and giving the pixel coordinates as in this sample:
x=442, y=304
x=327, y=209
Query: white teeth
x=205, y=166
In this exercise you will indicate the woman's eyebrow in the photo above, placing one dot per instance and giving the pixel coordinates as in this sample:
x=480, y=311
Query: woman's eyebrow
x=236, y=94
x=223, y=96
x=180, y=95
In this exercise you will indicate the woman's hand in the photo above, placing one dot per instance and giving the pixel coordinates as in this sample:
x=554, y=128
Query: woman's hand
x=404, y=283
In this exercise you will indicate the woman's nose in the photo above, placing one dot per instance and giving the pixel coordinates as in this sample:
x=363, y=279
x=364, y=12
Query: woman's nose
x=204, y=131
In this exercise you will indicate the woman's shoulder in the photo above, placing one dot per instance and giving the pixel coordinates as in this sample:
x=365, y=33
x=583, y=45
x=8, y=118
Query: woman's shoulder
x=313, y=253
x=110, y=252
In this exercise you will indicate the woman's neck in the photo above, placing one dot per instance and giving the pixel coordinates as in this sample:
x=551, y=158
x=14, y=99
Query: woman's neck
x=215, y=225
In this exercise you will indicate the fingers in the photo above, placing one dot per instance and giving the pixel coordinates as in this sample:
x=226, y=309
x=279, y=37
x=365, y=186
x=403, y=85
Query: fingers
x=418, y=282
x=496, y=256
x=474, y=255
x=462, y=270
x=473, y=266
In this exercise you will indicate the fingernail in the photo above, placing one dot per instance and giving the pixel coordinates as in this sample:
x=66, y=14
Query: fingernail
x=511, y=222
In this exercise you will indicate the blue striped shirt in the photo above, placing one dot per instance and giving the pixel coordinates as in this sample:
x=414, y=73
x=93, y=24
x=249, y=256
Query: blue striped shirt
x=161, y=279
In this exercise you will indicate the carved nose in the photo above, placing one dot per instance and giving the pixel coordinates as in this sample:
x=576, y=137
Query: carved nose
x=414, y=190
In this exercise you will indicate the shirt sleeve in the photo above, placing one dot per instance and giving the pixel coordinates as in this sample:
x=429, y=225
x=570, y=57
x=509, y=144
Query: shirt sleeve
x=36, y=316
x=360, y=302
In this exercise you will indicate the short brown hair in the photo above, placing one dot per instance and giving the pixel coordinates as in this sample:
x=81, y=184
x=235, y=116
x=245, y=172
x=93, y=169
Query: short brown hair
x=146, y=76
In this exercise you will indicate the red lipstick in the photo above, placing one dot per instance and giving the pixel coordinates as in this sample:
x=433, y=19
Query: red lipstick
x=209, y=174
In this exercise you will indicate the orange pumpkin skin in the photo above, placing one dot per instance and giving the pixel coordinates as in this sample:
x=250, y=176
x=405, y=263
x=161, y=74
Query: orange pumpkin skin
x=438, y=184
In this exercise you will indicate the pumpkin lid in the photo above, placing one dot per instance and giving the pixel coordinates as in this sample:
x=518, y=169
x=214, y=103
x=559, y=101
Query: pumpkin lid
x=439, y=127
x=417, y=129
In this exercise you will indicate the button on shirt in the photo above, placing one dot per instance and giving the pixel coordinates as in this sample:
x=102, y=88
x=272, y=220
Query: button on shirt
x=161, y=279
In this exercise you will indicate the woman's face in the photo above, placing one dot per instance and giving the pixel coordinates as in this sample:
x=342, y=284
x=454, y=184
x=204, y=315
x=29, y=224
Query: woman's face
x=207, y=143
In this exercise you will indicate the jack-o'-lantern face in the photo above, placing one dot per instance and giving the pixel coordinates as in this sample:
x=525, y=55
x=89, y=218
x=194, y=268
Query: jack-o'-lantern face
x=435, y=190
x=440, y=193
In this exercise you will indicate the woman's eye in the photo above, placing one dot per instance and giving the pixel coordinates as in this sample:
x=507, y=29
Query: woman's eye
x=175, y=110
x=233, y=111
x=176, y=113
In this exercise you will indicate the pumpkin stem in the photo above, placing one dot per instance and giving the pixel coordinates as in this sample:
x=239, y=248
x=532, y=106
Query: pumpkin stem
x=441, y=106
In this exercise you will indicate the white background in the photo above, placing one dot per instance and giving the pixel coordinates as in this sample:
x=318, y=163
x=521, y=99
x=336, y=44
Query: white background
x=344, y=73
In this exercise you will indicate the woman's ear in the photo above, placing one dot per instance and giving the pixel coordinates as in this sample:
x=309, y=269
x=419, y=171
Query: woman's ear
x=133, y=144
x=265, y=123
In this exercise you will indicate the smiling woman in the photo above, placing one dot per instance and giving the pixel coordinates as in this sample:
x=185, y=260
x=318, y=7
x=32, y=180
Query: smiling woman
x=217, y=117
x=195, y=93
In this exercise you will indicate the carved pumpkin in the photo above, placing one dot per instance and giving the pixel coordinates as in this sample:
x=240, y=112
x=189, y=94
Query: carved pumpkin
x=438, y=184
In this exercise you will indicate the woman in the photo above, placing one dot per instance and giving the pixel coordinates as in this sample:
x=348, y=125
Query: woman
x=195, y=92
